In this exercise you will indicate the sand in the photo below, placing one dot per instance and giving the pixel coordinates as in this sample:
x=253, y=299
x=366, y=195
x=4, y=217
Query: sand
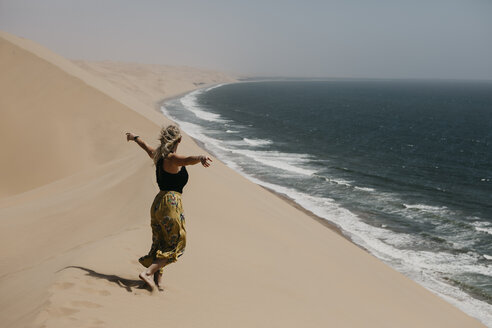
x=74, y=218
x=152, y=83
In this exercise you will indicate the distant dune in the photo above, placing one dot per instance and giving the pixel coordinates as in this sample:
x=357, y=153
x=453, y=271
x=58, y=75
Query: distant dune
x=74, y=218
x=152, y=83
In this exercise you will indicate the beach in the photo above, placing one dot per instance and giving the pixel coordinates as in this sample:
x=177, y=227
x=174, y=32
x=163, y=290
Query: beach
x=74, y=215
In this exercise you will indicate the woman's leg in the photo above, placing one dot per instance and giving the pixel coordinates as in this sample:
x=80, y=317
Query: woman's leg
x=146, y=275
x=158, y=280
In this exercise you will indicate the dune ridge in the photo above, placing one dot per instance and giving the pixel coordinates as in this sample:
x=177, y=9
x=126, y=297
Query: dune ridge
x=149, y=83
x=74, y=218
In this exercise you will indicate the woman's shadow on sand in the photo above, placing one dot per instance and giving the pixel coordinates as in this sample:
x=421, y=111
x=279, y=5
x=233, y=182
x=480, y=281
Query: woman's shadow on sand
x=121, y=282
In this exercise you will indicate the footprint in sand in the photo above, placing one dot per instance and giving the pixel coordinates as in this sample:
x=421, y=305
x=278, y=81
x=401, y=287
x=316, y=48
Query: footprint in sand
x=64, y=285
x=96, y=291
x=98, y=322
x=85, y=304
x=59, y=312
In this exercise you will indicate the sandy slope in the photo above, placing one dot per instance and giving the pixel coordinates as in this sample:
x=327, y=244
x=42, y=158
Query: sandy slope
x=74, y=214
x=151, y=83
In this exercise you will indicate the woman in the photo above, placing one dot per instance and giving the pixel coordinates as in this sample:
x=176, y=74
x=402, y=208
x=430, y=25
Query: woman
x=167, y=220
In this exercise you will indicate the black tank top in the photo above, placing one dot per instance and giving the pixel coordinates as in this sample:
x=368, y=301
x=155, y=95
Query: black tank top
x=170, y=181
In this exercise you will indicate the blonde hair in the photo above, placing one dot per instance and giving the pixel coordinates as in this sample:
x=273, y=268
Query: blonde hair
x=169, y=137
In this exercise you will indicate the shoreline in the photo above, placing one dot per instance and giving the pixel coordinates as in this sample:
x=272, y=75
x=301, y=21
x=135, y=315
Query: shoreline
x=161, y=102
x=327, y=224
x=291, y=202
x=317, y=218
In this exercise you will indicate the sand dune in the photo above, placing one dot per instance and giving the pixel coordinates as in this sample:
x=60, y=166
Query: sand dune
x=152, y=83
x=74, y=218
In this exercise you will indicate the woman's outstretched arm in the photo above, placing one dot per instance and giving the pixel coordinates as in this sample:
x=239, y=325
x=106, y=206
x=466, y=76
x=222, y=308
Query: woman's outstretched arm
x=149, y=150
x=179, y=160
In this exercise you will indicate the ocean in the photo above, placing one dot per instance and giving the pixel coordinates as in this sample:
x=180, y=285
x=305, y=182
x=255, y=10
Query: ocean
x=402, y=167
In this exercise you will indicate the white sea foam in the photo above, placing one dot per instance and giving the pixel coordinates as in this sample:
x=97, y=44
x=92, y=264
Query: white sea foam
x=216, y=86
x=426, y=208
x=487, y=230
x=189, y=102
x=345, y=183
x=197, y=132
x=340, y=182
x=365, y=189
x=483, y=227
x=232, y=131
x=234, y=143
x=284, y=161
x=257, y=142
x=294, y=163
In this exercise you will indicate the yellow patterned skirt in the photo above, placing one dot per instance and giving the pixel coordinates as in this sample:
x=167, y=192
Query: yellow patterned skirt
x=168, y=229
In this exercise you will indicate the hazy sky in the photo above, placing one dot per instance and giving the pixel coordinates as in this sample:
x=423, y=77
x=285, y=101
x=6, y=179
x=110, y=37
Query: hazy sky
x=346, y=38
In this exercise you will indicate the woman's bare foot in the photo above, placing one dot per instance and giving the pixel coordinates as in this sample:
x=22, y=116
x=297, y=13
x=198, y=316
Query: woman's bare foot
x=159, y=281
x=146, y=278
